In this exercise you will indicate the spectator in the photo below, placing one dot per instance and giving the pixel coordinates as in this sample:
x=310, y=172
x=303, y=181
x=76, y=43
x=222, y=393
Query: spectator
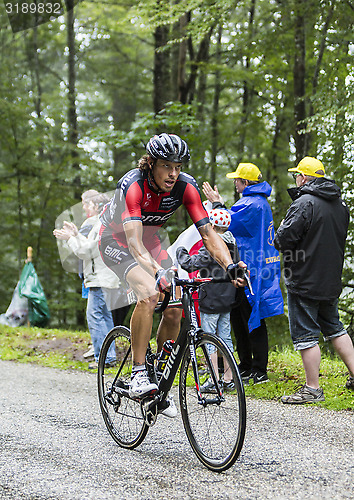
x=215, y=299
x=252, y=226
x=312, y=238
x=84, y=244
x=84, y=230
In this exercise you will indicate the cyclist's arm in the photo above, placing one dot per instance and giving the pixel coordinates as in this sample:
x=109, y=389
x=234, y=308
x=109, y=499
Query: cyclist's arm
x=215, y=246
x=134, y=235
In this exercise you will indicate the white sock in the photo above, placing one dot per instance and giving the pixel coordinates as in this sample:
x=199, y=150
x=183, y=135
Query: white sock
x=136, y=369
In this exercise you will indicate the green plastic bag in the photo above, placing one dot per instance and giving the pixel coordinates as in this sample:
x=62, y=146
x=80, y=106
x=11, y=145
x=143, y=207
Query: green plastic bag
x=30, y=287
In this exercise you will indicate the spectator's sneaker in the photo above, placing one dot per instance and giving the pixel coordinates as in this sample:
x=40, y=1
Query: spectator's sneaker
x=228, y=386
x=350, y=383
x=94, y=365
x=208, y=387
x=89, y=354
x=171, y=409
x=140, y=385
x=304, y=394
x=246, y=375
x=110, y=364
x=260, y=378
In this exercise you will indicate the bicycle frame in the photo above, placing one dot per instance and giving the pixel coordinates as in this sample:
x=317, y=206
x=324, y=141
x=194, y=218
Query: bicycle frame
x=187, y=336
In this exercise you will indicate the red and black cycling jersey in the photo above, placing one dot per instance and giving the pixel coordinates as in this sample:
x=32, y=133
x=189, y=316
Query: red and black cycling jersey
x=135, y=199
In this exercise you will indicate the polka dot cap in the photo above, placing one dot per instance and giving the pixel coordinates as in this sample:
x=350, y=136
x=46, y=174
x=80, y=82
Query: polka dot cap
x=220, y=218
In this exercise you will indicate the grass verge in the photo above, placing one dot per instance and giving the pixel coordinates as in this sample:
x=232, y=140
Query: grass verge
x=47, y=347
x=64, y=349
x=285, y=372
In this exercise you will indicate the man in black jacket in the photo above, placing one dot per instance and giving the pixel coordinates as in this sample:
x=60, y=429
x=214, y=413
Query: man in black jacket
x=312, y=238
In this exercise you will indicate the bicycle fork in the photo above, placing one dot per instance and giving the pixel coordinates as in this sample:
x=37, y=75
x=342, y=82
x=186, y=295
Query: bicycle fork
x=202, y=400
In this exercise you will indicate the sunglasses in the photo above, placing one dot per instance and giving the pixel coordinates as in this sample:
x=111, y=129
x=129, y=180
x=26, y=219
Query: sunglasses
x=296, y=175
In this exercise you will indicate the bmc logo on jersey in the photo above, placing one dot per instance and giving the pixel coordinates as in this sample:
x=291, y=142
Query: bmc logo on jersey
x=126, y=179
x=153, y=219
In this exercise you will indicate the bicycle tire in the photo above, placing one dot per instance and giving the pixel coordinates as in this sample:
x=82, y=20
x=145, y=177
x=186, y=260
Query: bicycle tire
x=122, y=415
x=216, y=431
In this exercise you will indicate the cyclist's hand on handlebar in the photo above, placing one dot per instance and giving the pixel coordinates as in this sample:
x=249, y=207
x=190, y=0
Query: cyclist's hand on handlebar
x=164, y=278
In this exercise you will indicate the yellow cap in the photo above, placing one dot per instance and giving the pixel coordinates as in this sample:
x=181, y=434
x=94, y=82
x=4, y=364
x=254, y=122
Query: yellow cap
x=246, y=171
x=309, y=166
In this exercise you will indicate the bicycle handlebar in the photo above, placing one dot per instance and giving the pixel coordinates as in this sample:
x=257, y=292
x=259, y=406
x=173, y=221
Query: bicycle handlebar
x=189, y=282
x=242, y=272
x=195, y=283
x=164, y=303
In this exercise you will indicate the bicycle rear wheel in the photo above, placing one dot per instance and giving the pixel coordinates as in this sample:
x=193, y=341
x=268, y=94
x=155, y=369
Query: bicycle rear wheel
x=123, y=416
x=215, y=429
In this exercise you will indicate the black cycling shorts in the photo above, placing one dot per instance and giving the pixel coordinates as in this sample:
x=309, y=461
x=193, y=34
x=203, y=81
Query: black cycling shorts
x=118, y=258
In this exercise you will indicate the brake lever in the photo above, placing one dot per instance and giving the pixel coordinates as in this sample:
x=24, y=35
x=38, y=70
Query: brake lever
x=173, y=289
x=173, y=275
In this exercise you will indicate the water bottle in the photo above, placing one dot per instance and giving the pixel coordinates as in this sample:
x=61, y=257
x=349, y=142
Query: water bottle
x=163, y=357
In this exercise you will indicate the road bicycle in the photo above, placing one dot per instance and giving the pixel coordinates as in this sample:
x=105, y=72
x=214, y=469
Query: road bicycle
x=215, y=422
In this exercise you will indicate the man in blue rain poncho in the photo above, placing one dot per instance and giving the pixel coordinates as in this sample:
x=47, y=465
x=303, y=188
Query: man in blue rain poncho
x=252, y=226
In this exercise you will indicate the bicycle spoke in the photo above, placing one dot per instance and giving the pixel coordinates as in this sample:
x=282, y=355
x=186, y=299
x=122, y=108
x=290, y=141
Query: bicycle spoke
x=216, y=428
x=122, y=415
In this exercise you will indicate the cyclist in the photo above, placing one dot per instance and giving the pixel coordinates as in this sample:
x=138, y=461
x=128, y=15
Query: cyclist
x=145, y=198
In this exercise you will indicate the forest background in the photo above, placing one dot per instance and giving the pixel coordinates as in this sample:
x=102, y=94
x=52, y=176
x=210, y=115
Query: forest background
x=264, y=81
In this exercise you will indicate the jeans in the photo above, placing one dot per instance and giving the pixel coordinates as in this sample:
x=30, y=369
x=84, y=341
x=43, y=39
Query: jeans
x=219, y=324
x=308, y=318
x=99, y=321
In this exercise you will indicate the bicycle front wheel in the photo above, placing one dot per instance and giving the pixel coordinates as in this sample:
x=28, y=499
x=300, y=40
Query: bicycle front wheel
x=122, y=415
x=215, y=426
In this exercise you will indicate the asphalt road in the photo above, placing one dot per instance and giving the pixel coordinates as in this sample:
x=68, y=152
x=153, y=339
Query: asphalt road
x=54, y=445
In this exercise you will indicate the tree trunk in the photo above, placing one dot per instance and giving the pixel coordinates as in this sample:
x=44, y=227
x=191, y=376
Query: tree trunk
x=72, y=113
x=20, y=221
x=341, y=126
x=161, y=69
x=72, y=119
x=247, y=90
x=318, y=67
x=278, y=175
x=299, y=81
x=123, y=113
x=182, y=84
x=201, y=57
x=215, y=113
